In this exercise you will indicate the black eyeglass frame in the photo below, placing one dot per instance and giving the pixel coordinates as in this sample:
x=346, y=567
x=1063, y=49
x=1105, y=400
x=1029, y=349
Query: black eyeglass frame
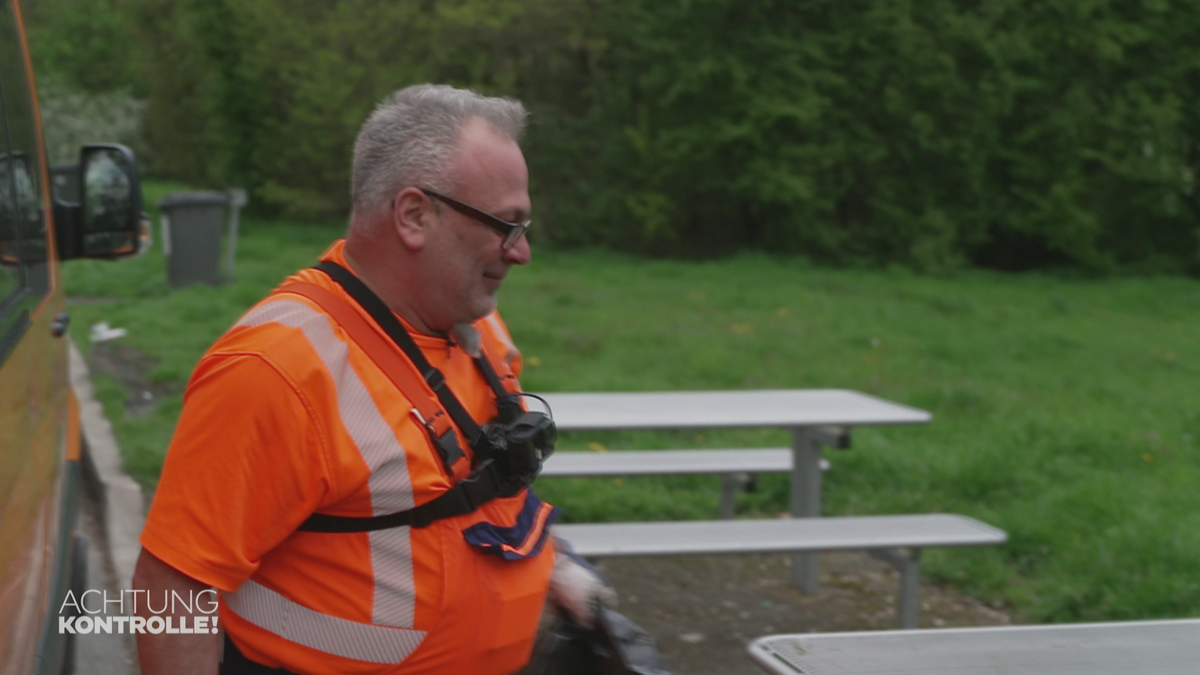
x=511, y=232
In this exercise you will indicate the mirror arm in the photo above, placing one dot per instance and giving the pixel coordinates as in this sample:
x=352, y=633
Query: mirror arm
x=68, y=229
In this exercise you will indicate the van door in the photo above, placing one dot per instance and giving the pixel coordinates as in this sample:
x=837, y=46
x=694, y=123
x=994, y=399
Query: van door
x=36, y=502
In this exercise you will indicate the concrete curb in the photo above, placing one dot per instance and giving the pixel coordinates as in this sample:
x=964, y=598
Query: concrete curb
x=122, y=507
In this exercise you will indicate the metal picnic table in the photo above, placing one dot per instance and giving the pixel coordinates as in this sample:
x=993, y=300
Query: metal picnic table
x=808, y=413
x=1125, y=648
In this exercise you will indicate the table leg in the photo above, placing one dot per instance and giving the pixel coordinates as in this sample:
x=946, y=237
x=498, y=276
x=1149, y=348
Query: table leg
x=806, y=503
x=730, y=484
x=908, y=600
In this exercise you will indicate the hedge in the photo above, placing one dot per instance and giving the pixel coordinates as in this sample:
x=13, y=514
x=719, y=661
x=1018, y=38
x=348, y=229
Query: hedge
x=928, y=133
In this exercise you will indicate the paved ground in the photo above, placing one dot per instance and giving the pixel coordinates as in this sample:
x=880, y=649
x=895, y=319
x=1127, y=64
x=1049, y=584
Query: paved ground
x=704, y=610
x=102, y=654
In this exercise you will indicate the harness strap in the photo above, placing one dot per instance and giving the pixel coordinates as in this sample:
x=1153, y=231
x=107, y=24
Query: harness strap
x=395, y=330
x=483, y=485
x=508, y=405
x=414, y=377
x=382, y=315
x=398, y=370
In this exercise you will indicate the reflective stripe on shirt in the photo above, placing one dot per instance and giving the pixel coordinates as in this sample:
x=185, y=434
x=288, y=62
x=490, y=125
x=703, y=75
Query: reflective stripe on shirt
x=271, y=611
x=390, y=485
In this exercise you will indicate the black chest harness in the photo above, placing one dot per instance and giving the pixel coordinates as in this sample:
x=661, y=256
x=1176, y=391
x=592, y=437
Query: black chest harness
x=507, y=452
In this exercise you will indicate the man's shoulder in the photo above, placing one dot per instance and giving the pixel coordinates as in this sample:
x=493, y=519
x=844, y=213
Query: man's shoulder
x=283, y=327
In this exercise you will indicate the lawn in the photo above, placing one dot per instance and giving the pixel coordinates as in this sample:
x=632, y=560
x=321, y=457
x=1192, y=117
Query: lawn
x=1066, y=411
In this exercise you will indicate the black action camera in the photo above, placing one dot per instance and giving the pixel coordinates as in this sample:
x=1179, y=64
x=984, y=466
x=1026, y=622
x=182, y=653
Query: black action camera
x=521, y=445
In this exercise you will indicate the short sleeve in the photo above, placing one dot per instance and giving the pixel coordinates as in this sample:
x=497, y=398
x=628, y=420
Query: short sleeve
x=247, y=465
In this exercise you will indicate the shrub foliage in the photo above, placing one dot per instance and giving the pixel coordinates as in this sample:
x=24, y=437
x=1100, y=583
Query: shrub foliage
x=932, y=133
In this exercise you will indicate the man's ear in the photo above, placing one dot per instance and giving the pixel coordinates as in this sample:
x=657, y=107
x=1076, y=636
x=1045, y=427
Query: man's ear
x=412, y=216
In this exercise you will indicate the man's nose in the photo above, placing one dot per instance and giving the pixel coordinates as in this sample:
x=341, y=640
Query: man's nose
x=520, y=253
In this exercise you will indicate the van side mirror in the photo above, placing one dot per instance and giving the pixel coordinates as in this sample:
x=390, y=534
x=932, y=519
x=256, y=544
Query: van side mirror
x=108, y=221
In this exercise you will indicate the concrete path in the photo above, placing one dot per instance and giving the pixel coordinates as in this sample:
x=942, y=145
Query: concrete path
x=113, y=514
x=102, y=654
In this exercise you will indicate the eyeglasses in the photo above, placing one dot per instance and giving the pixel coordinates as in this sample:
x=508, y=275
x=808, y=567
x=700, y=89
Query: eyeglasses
x=511, y=231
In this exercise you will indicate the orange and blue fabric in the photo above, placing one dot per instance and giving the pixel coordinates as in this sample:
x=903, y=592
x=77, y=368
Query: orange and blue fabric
x=524, y=539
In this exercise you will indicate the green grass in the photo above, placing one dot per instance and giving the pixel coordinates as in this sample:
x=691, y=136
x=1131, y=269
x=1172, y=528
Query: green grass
x=172, y=326
x=1066, y=412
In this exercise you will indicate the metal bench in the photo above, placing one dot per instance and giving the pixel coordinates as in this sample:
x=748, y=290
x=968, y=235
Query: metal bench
x=897, y=540
x=735, y=466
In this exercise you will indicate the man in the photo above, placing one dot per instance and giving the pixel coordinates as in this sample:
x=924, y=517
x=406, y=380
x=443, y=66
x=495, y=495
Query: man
x=293, y=417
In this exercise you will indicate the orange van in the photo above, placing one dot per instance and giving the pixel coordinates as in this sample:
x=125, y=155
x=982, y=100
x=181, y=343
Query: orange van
x=42, y=555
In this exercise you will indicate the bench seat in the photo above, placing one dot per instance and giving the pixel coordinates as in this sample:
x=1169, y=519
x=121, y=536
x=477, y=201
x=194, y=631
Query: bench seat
x=897, y=540
x=668, y=462
x=732, y=464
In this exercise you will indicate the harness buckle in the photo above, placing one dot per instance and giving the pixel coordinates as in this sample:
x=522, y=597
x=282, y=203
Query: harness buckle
x=444, y=440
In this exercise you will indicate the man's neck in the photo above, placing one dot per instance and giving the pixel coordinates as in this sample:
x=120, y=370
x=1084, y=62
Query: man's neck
x=360, y=264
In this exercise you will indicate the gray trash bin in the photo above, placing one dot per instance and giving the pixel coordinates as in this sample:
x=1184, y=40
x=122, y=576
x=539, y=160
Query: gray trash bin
x=193, y=222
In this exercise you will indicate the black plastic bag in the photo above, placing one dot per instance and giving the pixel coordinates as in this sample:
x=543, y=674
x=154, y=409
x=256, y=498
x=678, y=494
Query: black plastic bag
x=616, y=646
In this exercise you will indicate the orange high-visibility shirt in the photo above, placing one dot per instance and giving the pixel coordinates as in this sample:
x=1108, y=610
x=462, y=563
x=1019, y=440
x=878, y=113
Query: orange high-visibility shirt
x=285, y=416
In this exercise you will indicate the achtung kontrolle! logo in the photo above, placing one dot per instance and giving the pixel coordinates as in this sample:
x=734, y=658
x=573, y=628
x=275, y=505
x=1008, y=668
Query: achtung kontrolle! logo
x=93, y=611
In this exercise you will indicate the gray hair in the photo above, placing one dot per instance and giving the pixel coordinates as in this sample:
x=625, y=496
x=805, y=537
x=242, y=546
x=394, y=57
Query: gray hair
x=411, y=137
